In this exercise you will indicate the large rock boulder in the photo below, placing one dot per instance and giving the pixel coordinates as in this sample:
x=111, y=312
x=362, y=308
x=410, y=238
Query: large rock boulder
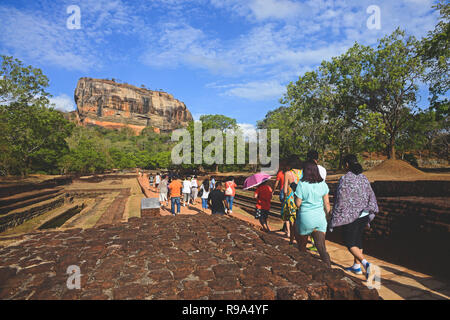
x=115, y=105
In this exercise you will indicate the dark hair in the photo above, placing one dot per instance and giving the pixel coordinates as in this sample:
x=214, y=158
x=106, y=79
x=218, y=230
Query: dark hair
x=292, y=161
x=230, y=178
x=311, y=172
x=206, y=185
x=352, y=161
x=312, y=155
x=218, y=184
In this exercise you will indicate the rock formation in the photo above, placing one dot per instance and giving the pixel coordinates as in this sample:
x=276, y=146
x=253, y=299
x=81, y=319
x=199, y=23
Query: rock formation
x=115, y=105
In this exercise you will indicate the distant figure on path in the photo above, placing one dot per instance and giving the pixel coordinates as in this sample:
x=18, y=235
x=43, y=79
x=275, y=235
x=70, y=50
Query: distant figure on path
x=263, y=196
x=313, y=203
x=289, y=208
x=204, y=189
x=354, y=208
x=186, y=191
x=157, y=180
x=163, y=190
x=175, y=193
x=216, y=200
x=212, y=183
x=194, y=189
x=150, y=180
x=230, y=192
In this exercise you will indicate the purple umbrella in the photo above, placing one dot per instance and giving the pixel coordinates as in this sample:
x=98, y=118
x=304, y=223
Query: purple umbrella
x=256, y=179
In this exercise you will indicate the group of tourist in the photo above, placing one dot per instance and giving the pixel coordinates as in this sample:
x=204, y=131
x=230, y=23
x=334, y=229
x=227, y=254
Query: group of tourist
x=305, y=204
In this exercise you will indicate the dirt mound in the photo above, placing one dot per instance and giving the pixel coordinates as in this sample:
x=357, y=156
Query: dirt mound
x=393, y=169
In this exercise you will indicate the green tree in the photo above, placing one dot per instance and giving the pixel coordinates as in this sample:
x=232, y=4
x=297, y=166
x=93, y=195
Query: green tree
x=435, y=53
x=33, y=135
x=390, y=83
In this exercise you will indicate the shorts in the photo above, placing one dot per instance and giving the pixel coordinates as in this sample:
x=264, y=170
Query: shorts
x=353, y=232
x=261, y=214
x=281, y=196
x=162, y=196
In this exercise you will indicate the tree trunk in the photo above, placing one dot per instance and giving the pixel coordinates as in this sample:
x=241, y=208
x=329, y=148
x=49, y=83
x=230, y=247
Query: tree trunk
x=392, y=149
x=340, y=160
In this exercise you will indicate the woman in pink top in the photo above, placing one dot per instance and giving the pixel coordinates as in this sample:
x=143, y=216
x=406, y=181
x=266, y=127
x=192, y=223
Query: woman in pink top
x=230, y=192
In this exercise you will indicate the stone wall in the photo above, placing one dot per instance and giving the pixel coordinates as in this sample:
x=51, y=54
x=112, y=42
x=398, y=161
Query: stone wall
x=411, y=231
x=11, y=189
x=14, y=219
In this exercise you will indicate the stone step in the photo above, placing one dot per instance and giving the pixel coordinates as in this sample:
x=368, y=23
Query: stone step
x=18, y=216
x=18, y=197
x=29, y=199
x=61, y=216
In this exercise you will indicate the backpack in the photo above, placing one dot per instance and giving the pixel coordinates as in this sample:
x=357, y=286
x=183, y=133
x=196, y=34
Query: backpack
x=229, y=190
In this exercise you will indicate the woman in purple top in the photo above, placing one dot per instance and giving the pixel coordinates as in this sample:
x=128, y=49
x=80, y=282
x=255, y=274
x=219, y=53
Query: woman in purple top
x=354, y=208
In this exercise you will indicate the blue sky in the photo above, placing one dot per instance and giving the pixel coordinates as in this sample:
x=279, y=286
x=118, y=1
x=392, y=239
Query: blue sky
x=231, y=57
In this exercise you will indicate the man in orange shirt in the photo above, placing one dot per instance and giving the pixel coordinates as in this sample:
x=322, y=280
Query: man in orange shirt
x=263, y=195
x=175, y=193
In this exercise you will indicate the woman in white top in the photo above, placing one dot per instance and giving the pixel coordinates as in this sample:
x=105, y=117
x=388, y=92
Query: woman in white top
x=205, y=193
x=186, y=191
x=194, y=189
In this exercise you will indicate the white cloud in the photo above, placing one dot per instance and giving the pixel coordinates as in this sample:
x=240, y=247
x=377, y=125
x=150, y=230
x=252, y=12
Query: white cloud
x=63, y=103
x=261, y=10
x=248, y=131
x=196, y=116
x=279, y=39
x=42, y=36
x=255, y=90
x=278, y=9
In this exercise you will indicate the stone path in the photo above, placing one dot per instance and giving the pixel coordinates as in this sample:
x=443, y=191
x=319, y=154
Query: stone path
x=116, y=209
x=397, y=282
x=183, y=257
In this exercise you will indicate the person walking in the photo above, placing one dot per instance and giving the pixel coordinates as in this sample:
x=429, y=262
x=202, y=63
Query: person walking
x=313, y=155
x=186, y=191
x=289, y=208
x=313, y=203
x=354, y=208
x=230, y=192
x=163, y=190
x=280, y=182
x=194, y=189
x=150, y=180
x=204, y=189
x=212, y=183
x=216, y=200
x=157, y=180
x=263, y=196
x=175, y=193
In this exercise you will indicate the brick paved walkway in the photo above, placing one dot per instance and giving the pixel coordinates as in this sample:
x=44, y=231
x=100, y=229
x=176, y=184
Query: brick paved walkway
x=397, y=282
x=183, y=257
